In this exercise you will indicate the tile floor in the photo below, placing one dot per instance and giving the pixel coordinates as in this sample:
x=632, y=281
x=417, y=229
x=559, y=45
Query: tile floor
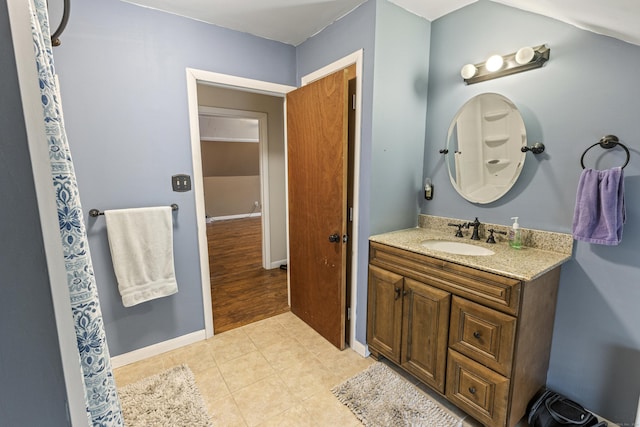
x=276, y=372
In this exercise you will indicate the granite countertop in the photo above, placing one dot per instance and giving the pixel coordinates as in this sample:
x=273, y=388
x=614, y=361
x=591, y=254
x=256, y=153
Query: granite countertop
x=523, y=264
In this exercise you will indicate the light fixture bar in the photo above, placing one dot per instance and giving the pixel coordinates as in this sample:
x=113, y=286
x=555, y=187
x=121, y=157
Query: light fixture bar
x=512, y=64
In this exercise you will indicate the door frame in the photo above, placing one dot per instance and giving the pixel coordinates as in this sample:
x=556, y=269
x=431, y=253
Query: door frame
x=263, y=154
x=357, y=59
x=195, y=76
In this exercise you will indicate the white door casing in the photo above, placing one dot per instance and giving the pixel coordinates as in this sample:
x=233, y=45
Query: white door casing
x=206, y=77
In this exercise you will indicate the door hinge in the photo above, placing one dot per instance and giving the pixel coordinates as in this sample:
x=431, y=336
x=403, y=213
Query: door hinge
x=350, y=214
x=353, y=102
x=348, y=313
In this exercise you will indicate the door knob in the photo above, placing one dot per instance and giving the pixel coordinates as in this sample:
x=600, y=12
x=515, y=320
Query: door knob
x=334, y=238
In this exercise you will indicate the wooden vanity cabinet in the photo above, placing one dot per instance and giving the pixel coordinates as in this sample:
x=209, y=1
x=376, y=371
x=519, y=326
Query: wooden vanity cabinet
x=480, y=339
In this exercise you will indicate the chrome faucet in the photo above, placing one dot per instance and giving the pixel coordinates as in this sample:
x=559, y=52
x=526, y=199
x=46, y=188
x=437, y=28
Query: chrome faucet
x=476, y=225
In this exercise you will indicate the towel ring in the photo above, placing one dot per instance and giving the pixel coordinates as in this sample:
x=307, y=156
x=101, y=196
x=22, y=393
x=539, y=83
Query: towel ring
x=607, y=142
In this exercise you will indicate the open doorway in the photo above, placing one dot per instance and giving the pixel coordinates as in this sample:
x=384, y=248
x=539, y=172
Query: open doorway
x=240, y=86
x=235, y=173
x=244, y=287
x=210, y=89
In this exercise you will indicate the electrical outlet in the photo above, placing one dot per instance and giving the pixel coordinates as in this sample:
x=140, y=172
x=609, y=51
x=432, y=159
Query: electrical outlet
x=256, y=204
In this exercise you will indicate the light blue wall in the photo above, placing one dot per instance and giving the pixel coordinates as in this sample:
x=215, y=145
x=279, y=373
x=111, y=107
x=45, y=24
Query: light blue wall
x=393, y=116
x=32, y=387
x=399, y=117
x=123, y=80
x=588, y=89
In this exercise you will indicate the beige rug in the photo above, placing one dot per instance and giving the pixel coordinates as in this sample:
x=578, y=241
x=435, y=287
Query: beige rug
x=170, y=398
x=380, y=397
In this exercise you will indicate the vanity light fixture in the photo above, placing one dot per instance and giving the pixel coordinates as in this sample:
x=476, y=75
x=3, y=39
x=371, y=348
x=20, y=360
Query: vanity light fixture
x=494, y=63
x=526, y=58
x=468, y=71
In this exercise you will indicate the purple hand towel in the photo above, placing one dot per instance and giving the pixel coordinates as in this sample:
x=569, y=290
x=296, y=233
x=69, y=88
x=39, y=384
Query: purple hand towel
x=600, y=211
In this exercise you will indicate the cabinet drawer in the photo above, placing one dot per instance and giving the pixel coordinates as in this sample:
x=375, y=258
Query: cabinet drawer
x=477, y=390
x=482, y=334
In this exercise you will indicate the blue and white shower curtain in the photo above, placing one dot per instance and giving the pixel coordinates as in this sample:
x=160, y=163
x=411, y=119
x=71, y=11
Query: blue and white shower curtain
x=103, y=406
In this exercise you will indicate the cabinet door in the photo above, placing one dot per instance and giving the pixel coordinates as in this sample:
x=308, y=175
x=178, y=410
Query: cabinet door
x=425, y=331
x=384, y=312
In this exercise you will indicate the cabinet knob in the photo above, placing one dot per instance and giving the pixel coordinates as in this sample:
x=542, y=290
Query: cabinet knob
x=472, y=390
x=397, y=291
x=476, y=335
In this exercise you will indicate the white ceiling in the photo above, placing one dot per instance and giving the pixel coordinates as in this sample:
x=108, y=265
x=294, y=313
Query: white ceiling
x=294, y=21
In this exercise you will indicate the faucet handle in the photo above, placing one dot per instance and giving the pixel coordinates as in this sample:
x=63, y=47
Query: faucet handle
x=459, y=232
x=491, y=239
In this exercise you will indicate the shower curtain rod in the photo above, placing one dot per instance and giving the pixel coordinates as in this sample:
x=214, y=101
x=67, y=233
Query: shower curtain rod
x=55, y=37
x=94, y=213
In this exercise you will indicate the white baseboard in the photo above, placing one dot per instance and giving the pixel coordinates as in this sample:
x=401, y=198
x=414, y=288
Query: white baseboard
x=360, y=348
x=223, y=218
x=277, y=264
x=156, y=349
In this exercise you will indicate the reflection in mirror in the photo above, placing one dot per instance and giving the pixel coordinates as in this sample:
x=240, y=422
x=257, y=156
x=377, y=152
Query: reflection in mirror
x=484, y=148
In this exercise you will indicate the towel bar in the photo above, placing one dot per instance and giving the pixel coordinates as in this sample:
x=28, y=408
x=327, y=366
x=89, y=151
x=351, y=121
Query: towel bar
x=95, y=212
x=607, y=142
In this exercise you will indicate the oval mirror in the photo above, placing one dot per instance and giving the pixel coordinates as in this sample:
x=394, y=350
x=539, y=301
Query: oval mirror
x=484, y=142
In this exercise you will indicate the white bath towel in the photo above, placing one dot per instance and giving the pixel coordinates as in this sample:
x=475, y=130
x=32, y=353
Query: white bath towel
x=141, y=243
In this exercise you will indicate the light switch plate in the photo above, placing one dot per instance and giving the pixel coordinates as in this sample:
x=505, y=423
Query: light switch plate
x=181, y=182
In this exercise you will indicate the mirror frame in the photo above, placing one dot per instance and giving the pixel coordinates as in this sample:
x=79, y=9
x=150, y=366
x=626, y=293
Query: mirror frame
x=502, y=159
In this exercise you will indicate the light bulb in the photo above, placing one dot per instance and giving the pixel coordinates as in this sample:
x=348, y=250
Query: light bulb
x=524, y=55
x=494, y=63
x=468, y=71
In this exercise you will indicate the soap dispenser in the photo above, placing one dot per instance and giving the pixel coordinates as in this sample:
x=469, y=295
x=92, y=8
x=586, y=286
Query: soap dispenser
x=515, y=234
x=428, y=189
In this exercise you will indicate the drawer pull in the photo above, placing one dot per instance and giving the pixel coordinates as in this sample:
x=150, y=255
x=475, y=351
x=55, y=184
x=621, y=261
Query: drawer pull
x=472, y=390
x=476, y=335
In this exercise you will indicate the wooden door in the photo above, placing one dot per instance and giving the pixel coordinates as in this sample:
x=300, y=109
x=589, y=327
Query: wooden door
x=384, y=313
x=425, y=329
x=317, y=125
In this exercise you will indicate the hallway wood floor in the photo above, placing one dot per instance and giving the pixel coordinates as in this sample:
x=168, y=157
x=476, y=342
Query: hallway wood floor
x=242, y=292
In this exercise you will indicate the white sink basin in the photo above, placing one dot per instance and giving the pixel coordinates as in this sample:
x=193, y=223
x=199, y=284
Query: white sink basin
x=457, y=248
